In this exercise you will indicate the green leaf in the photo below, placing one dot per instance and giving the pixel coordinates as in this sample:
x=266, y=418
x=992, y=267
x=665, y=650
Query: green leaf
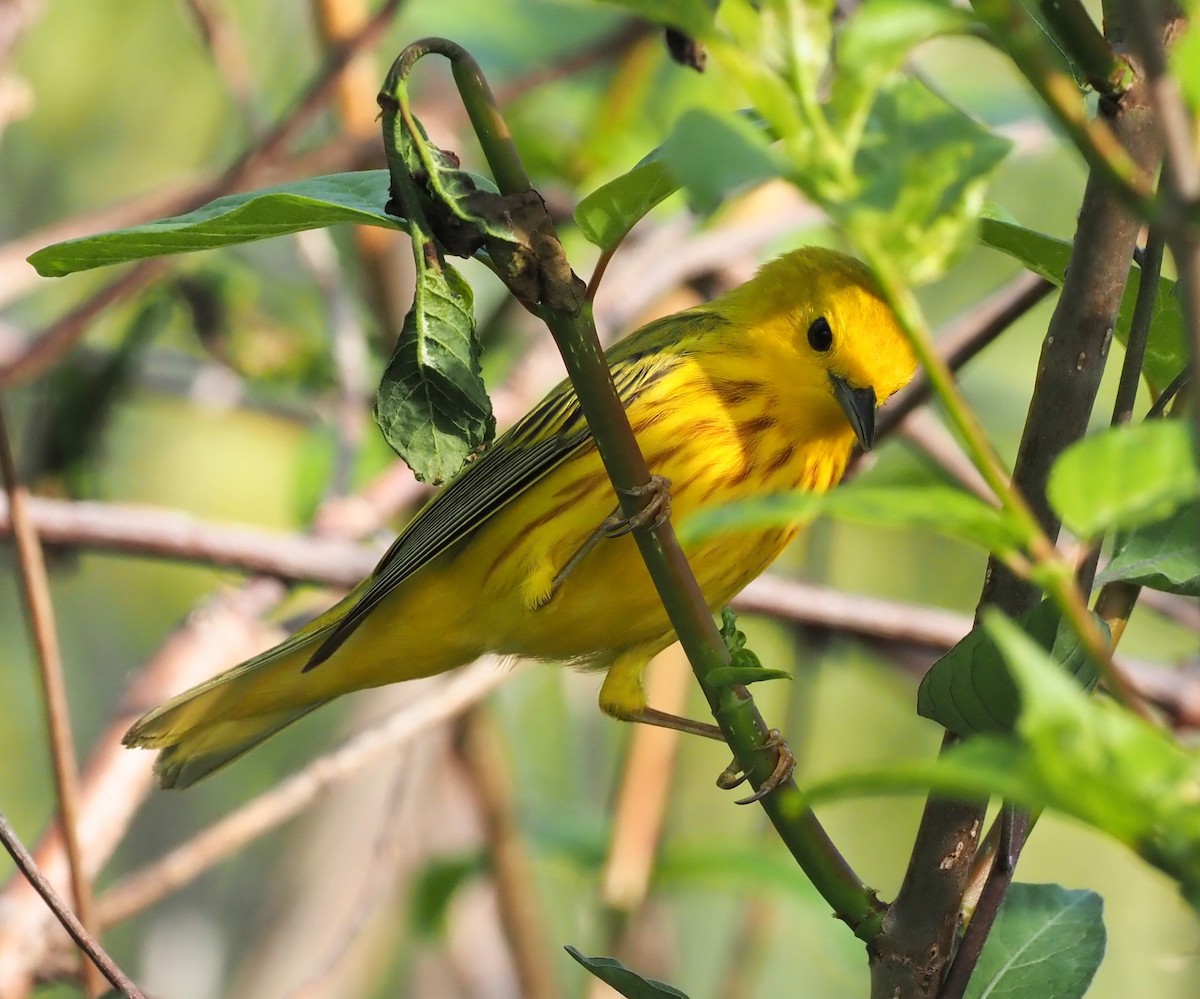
x=876, y=41
x=970, y=690
x=878, y=38
x=693, y=16
x=727, y=676
x=944, y=509
x=1163, y=556
x=435, y=887
x=713, y=155
x=629, y=983
x=1103, y=764
x=432, y=407
x=460, y=208
x=1047, y=942
x=607, y=214
x=1166, y=348
x=1085, y=757
x=1124, y=477
x=239, y=218
x=923, y=167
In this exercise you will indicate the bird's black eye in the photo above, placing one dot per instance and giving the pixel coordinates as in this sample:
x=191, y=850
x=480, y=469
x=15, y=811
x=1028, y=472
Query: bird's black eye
x=820, y=336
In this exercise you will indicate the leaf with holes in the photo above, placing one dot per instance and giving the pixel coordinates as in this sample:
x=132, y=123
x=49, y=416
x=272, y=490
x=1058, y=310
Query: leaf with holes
x=432, y=406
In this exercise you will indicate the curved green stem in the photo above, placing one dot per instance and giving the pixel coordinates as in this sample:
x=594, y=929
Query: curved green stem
x=568, y=316
x=1047, y=568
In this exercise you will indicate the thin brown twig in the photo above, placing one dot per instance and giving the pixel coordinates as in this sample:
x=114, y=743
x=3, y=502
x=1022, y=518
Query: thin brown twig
x=521, y=914
x=223, y=630
x=1151, y=27
x=332, y=156
x=153, y=882
x=35, y=586
x=926, y=433
x=377, y=886
x=925, y=914
x=56, y=339
x=96, y=954
x=227, y=52
x=993, y=865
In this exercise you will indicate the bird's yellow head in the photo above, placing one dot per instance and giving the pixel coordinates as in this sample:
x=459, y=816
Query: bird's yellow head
x=821, y=317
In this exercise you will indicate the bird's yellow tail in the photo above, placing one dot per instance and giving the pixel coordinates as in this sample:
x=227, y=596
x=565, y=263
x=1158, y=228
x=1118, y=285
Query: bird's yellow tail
x=214, y=723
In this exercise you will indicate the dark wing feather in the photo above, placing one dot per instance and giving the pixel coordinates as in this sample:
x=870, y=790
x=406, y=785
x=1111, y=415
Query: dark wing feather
x=545, y=437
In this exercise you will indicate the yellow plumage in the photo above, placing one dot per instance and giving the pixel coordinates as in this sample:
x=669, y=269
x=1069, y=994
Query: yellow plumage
x=760, y=391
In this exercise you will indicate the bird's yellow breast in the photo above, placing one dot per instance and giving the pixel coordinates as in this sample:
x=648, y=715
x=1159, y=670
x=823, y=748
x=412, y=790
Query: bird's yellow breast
x=718, y=439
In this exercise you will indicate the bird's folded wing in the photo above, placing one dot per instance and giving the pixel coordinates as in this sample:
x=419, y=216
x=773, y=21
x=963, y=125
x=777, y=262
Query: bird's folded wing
x=545, y=437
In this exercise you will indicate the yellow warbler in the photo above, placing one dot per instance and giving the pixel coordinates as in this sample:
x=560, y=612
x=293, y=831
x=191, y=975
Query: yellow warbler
x=762, y=390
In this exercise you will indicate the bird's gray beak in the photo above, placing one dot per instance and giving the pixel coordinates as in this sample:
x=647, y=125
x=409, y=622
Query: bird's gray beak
x=859, y=406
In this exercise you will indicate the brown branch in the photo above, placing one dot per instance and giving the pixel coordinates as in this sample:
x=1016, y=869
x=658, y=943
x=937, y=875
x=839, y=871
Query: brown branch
x=885, y=621
x=87, y=943
x=1151, y=26
x=339, y=154
x=913, y=954
x=143, y=530
x=35, y=586
x=329, y=561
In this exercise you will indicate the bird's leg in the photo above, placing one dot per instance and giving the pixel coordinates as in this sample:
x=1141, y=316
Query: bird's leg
x=732, y=775
x=623, y=696
x=785, y=763
x=664, y=719
x=655, y=512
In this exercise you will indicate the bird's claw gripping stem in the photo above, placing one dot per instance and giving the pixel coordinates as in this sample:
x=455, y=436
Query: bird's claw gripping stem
x=785, y=763
x=615, y=525
x=656, y=511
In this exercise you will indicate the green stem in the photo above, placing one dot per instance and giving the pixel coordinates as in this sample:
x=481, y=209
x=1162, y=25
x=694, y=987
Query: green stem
x=575, y=334
x=1026, y=45
x=1107, y=72
x=1048, y=567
